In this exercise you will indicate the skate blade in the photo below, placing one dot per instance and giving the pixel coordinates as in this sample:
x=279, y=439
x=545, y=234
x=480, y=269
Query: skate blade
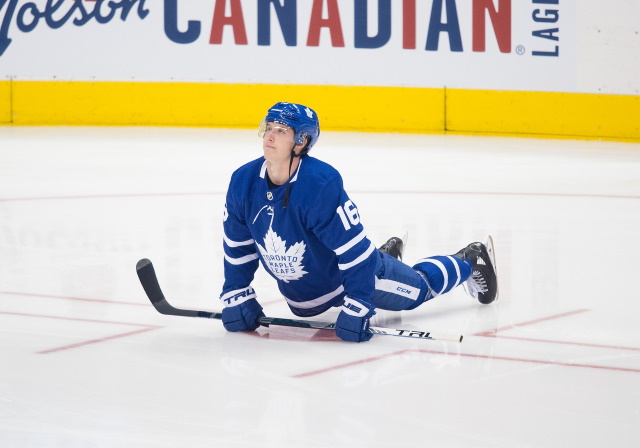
x=492, y=255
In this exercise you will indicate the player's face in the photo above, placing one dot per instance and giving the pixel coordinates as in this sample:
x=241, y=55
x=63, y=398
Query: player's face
x=277, y=141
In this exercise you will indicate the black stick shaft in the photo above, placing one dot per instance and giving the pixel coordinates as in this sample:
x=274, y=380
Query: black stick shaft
x=149, y=281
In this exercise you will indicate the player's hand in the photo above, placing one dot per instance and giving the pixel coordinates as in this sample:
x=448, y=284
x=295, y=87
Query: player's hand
x=242, y=317
x=353, y=320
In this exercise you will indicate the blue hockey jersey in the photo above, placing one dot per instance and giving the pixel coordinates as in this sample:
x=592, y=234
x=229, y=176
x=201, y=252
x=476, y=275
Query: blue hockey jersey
x=315, y=247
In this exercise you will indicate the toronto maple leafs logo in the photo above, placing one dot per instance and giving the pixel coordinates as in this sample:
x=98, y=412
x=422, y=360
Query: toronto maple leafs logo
x=285, y=263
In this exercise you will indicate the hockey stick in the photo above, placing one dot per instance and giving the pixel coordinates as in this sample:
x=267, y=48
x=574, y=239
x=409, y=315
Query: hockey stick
x=149, y=281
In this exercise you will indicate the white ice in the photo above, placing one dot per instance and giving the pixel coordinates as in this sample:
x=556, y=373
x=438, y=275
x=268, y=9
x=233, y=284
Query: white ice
x=86, y=361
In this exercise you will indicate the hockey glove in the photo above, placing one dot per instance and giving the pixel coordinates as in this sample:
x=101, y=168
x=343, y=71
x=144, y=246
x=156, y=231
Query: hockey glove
x=353, y=321
x=241, y=311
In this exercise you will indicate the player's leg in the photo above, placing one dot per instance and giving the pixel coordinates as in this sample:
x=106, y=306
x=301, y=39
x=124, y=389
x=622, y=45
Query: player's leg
x=397, y=286
x=443, y=272
x=400, y=287
x=474, y=267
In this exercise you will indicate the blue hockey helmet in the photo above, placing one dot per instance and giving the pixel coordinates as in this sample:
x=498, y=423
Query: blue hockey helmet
x=302, y=119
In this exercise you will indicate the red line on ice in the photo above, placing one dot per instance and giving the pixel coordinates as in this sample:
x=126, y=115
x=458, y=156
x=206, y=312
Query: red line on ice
x=468, y=355
x=144, y=328
x=78, y=319
x=493, y=333
x=531, y=322
x=46, y=296
x=218, y=193
x=349, y=364
x=580, y=344
x=95, y=341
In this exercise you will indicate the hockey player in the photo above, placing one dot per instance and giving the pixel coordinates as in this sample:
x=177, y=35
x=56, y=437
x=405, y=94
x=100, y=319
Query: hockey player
x=289, y=211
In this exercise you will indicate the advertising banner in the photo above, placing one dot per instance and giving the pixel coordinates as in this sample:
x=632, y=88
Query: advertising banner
x=472, y=44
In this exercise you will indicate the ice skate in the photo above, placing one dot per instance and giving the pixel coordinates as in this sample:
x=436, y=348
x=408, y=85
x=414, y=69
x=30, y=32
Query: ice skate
x=394, y=247
x=483, y=282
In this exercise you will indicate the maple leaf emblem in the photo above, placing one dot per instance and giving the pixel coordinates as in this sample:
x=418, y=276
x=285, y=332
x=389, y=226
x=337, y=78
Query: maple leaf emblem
x=285, y=263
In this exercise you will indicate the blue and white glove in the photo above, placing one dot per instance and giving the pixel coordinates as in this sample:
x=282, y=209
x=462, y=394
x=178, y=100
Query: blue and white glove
x=353, y=321
x=241, y=311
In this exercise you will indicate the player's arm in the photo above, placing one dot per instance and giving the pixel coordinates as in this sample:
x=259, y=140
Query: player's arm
x=241, y=309
x=338, y=226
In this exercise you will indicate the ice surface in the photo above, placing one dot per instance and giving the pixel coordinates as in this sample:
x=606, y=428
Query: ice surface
x=86, y=361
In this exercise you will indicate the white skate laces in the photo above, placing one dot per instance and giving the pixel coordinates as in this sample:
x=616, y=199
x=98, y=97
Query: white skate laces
x=475, y=284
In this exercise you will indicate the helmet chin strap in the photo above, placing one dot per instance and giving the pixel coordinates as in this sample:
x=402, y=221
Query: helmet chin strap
x=288, y=190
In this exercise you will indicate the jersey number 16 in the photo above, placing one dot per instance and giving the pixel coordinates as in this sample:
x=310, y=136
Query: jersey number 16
x=348, y=213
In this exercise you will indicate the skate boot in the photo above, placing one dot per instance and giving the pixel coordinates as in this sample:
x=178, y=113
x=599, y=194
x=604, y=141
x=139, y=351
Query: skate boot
x=483, y=283
x=393, y=247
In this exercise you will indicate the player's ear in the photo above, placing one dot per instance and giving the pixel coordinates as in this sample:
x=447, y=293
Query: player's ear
x=299, y=149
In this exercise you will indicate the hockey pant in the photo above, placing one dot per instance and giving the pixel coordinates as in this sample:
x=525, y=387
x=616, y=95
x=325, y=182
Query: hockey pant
x=402, y=287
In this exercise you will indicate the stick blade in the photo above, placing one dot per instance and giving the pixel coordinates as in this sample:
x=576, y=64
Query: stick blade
x=149, y=281
x=143, y=263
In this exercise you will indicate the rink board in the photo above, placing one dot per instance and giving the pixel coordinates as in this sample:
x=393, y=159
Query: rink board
x=395, y=109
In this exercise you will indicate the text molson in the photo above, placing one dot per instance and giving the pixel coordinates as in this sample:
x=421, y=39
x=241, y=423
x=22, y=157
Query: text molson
x=57, y=13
